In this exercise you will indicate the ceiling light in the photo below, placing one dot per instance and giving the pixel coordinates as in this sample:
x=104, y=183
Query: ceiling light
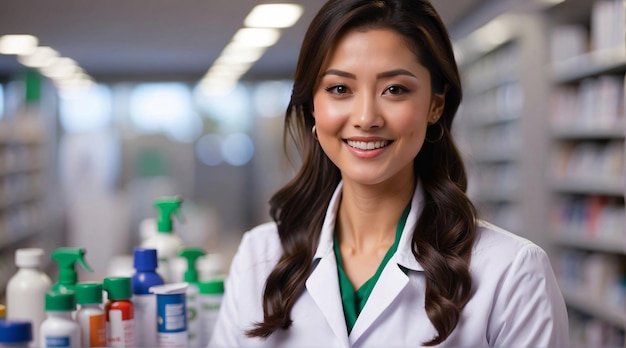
x=61, y=69
x=41, y=57
x=256, y=37
x=273, y=16
x=18, y=44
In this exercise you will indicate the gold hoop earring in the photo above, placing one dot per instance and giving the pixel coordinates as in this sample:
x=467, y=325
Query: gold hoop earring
x=314, y=133
x=441, y=131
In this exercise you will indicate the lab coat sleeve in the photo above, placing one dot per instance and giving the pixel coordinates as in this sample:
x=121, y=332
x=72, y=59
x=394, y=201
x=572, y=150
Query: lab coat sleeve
x=227, y=331
x=529, y=309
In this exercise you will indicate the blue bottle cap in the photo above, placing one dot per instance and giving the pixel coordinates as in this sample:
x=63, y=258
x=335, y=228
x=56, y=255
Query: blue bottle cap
x=15, y=331
x=145, y=259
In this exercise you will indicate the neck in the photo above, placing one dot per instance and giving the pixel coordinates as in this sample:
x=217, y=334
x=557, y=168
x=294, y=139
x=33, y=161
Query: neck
x=368, y=215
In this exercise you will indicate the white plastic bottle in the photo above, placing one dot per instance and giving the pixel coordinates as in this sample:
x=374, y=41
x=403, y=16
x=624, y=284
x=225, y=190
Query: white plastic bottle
x=26, y=290
x=90, y=315
x=59, y=329
x=165, y=241
x=211, y=294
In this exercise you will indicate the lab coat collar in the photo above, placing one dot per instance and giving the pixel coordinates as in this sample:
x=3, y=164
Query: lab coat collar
x=403, y=257
x=323, y=283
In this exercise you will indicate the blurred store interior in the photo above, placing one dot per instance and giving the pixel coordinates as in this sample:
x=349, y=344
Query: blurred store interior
x=106, y=106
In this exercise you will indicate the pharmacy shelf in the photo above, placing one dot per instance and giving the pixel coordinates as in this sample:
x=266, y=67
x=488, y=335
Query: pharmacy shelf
x=492, y=119
x=591, y=244
x=614, y=132
x=600, y=186
x=583, y=303
x=16, y=238
x=590, y=64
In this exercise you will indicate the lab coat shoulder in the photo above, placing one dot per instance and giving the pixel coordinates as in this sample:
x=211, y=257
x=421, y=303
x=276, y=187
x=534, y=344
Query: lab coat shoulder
x=513, y=279
x=258, y=253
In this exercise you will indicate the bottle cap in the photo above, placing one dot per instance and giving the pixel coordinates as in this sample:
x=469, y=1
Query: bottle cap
x=28, y=257
x=213, y=287
x=145, y=259
x=60, y=301
x=88, y=293
x=15, y=331
x=118, y=288
x=168, y=206
x=191, y=255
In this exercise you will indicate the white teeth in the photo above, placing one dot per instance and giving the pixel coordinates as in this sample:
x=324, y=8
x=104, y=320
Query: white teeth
x=369, y=145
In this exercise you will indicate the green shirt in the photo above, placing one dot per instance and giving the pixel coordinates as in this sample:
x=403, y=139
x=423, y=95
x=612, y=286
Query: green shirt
x=354, y=301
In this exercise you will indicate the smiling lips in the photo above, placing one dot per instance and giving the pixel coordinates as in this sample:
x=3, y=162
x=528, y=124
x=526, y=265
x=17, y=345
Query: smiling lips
x=368, y=145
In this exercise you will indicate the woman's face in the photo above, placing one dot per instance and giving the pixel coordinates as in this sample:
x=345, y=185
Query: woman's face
x=372, y=106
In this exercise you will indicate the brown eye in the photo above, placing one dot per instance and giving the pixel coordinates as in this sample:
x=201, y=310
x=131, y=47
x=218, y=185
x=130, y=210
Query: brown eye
x=337, y=89
x=396, y=90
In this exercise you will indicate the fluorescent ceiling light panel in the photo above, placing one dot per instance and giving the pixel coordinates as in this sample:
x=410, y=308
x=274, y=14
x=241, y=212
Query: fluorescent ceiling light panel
x=256, y=37
x=41, y=57
x=273, y=16
x=18, y=44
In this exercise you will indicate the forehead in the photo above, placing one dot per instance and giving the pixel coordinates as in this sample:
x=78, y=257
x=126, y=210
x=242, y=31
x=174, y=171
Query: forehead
x=369, y=46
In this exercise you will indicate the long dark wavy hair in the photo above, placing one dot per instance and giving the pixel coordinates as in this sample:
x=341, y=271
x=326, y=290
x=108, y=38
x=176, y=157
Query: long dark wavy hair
x=443, y=237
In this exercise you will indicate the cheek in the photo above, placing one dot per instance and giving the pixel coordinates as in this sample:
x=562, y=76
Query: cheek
x=328, y=115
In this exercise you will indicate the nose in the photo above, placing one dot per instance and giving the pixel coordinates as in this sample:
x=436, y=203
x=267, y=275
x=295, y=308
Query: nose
x=366, y=113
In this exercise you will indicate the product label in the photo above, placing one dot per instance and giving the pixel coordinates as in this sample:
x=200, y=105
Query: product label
x=58, y=341
x=209, y=311
x=97, y=331
x=172, y=320
x=120, y=332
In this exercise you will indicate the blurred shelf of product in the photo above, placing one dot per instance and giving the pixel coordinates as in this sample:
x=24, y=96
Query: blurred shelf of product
x=29, y=215
x=498, y=120
x=586, y=165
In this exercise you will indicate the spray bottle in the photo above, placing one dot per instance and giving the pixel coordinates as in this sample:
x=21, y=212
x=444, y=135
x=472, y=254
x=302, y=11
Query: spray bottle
x=191, y=277
x=26, y=290
x=166, y=243
x=66, y=258
x=144, y=302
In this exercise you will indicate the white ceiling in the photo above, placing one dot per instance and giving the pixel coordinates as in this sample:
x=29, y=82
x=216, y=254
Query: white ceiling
x=155, y=39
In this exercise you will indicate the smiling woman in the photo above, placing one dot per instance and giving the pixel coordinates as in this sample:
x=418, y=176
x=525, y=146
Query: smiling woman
x=374, y=242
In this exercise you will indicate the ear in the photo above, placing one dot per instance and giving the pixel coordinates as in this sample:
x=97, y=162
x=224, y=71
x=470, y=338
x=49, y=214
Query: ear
x=437, y=105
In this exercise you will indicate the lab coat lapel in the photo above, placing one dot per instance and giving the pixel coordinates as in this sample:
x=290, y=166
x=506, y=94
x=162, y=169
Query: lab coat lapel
x=387, y=288
x=392, y=280
x=323, y=286
x=323, y=283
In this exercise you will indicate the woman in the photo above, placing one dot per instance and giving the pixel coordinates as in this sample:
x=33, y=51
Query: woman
x=374, y=242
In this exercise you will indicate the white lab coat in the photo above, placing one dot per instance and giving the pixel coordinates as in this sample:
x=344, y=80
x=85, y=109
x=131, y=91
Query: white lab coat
x=515, y=299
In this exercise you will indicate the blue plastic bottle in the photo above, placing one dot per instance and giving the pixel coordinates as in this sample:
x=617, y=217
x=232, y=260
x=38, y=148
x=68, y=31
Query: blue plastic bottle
x=145, y=263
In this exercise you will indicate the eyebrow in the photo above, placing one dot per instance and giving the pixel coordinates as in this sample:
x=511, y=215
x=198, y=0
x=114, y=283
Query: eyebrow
x=386, y=74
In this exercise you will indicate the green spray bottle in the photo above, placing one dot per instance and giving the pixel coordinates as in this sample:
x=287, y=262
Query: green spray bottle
x=66, y=258
x=193, y=306
x=165, y=241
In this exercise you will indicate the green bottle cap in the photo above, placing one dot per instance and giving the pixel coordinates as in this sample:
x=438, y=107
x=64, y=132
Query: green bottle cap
x=88, y=293
x=168, y=206
x=191, y=254
x=118, y=288
x=213, y=287
x=60, y=301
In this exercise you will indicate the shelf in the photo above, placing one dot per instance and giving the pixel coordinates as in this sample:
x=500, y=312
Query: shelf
x=27, y=168
x=612, y=188
x=583, y=303
x=493, y=156
x=6, y=241
x=590, y=64
x=575, y=133
x=18, y=199
x=496, y=196
x=491, y=119
x=591, y=243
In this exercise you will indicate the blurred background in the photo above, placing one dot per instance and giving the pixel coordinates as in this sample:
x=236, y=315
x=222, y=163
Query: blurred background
x=106, y=106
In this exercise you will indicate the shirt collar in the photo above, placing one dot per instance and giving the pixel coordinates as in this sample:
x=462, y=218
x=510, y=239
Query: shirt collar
x=403, y=256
